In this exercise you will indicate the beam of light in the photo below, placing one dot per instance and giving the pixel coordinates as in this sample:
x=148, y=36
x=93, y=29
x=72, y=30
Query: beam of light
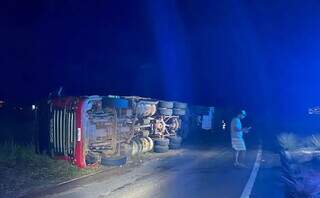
x=172, y=53
x=246, y=38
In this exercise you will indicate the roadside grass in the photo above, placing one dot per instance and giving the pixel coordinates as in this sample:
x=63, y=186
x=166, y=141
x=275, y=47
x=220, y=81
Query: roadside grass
x=21, y=169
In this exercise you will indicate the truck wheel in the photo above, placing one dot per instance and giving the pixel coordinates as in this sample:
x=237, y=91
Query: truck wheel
x=115, y=103
x=135, y=148
x=175, y=139
x=161, y=149
x=165, y=104
x=140, y=145
x=174, y=146
x=161, y=142
x=151, y=144
x=179, y=112
x=114, y=160
x=145, y=144
x=180, y=105
x=165, y=111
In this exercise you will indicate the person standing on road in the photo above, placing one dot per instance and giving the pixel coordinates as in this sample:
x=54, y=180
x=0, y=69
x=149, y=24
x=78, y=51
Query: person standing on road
x=237, y=140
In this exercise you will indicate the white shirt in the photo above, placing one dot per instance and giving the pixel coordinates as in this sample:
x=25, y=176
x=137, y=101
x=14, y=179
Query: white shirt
x=236, y=128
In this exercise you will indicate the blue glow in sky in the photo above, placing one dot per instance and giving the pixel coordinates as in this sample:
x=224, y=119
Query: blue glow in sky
x=262, y=55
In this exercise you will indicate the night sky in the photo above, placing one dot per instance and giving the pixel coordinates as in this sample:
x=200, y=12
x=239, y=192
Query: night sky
x=262, y=55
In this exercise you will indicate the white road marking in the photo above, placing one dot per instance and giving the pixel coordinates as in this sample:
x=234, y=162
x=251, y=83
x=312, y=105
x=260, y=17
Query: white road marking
x=248, y=188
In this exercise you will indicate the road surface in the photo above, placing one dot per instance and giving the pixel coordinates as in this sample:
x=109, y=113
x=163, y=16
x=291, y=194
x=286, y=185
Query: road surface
x=189, y=172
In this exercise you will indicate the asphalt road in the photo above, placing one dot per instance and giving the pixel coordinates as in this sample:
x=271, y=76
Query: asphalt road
x=189, y=172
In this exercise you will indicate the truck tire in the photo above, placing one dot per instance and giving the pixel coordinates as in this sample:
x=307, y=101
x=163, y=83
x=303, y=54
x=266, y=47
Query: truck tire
x=165, y=104
x=118, y=103
x=165, y=111
x=114, y=160
x=140, y=145
x=174, y=146
x=179, y=112
x=151, y=144
x=135, y=148
x=161, y=142
x=175, y=140
x=180, y=105
x=161, y=149
x=145, y=144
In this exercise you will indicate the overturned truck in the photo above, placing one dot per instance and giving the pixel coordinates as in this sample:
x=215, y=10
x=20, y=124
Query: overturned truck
x=108, y=129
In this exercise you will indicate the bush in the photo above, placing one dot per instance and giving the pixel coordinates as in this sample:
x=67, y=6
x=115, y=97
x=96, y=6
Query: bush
x=288, y=141
x=315, y=141
x=300, y=181
x=300, y=176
